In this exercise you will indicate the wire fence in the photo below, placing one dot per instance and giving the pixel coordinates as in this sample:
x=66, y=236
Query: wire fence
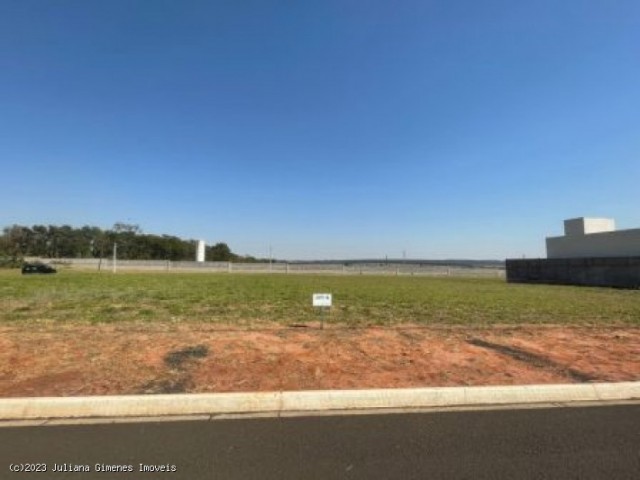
x=382, y=268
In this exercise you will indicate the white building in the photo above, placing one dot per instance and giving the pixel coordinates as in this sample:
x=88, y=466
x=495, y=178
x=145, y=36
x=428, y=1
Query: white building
x=594, y=237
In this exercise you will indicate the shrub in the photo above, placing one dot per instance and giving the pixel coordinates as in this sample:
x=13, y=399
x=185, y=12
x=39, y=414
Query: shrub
x=11, y=262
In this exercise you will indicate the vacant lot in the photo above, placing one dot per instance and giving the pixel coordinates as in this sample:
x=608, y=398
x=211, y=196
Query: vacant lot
x=97, y=334
x=255, y=300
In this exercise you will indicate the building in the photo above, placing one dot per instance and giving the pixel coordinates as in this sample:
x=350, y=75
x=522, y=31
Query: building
x=591, y=252
x=594, y=237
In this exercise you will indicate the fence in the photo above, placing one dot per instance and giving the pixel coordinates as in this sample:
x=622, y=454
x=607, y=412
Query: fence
x=621, y=272
x=386, y=268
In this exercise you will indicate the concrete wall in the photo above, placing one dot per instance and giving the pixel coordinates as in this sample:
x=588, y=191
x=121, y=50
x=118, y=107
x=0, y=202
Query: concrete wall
x=623, y=272
x=619, y=243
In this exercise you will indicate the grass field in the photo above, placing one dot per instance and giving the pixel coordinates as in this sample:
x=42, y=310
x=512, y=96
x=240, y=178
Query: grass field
x=249, y=300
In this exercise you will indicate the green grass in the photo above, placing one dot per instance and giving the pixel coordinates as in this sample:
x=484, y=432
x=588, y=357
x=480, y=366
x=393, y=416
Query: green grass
x=79, y=297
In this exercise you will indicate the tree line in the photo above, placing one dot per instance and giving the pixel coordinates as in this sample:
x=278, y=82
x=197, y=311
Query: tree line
x=50, y=241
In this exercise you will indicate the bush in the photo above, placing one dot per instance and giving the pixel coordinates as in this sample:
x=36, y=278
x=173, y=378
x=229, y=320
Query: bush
x=11, y=262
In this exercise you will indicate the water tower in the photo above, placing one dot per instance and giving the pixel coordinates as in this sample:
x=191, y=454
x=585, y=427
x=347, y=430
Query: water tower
x=200, y=251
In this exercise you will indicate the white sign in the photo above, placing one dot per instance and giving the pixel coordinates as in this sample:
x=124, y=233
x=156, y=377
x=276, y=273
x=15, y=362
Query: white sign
x=321, y=299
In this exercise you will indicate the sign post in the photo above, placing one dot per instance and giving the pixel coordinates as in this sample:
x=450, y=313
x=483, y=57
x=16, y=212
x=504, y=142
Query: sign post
x=322, y=301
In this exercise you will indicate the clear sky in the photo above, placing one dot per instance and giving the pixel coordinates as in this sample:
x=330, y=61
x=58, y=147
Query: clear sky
x=329, y=129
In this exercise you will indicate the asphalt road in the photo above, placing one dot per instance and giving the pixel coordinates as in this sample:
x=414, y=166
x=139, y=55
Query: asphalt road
x=556, y=443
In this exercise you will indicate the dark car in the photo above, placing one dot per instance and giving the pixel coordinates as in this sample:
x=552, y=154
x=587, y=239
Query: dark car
x=36, y=267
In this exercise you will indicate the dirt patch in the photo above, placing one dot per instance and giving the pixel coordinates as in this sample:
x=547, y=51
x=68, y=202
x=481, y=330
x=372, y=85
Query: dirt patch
x=136, y=358
x=167, y=385
x=534, y=359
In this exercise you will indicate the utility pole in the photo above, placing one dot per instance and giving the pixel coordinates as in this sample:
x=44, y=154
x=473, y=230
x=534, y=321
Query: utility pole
x=115, y=255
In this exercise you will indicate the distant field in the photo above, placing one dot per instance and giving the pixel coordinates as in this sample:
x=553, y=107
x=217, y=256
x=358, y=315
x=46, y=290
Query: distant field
x=249, y=300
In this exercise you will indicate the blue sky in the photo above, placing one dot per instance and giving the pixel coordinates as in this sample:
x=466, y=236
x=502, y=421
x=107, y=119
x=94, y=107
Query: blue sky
x=334, y=129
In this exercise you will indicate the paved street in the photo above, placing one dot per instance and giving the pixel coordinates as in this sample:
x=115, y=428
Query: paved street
x=554, y=443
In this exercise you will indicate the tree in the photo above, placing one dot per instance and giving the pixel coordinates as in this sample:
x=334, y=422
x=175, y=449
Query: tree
x=64, y=241
x=17, y=240
x=220, y=252
x=121, y=227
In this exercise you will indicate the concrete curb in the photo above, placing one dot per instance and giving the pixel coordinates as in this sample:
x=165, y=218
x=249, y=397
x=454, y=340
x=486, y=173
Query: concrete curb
x=48, y=408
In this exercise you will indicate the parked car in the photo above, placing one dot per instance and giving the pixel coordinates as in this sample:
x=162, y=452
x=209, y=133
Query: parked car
x=37, y=267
